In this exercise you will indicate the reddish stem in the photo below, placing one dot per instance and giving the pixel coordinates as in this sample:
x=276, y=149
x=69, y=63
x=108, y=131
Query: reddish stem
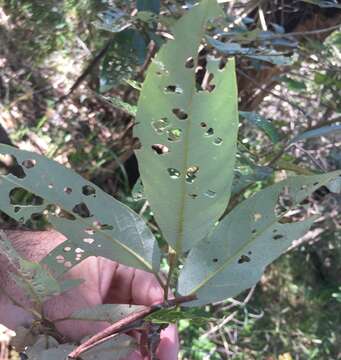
x=127, y=323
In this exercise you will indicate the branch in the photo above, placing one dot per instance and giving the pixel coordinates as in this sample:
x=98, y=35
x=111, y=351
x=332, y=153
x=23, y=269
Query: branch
x=128, y=323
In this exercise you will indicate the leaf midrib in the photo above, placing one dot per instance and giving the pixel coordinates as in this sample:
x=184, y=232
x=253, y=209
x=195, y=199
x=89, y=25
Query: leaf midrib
x=181, y=222
x=241, y=249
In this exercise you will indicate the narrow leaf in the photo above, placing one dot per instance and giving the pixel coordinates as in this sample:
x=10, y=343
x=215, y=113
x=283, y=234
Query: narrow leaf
x=249, y=238
x=148, y=5
x=94, y=223
x=188, y=136
x=262, y=123
x=322, y=131
x=267, y=55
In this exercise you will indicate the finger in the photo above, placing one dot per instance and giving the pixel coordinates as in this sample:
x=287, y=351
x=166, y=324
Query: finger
x=168, y=348
x=146, y=290
x=129, y=286
x=169, y=344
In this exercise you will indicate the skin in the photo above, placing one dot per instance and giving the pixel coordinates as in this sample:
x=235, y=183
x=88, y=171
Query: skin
x=105, y=282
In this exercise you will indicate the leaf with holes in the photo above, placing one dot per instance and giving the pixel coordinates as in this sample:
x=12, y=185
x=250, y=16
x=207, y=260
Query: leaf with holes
x=94, y=223
x=32, y=278
x=233, y=257
x=188, y=134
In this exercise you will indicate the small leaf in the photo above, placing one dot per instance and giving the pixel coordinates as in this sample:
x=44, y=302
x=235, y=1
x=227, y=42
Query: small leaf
x=138, y=191
x=197, y=316
x=149, y=5
x=32, y=278
x=118, y=103
x=322, y=131
x=120, y=62
x=263, y=124
x=94, y=223
x=188, y=151
x=105, y=312
x=113, y=20
x=324, y=3
x=233, y=257
x=233, y=49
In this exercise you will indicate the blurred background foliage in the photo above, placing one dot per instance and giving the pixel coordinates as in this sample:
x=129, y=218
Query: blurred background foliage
x=70, y=74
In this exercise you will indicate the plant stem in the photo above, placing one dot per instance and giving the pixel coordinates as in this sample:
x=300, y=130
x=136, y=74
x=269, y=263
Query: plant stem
x=128, y=323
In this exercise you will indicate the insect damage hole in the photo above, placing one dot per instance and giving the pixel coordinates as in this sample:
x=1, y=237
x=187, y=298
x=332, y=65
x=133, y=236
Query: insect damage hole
x=173, y=89
x=160, y=149
x=218, y=141
x=278, y=237
x=174, y=134
x=210, y=194
x=244, y=259
x=191, y=174
x=67, y=190
x=160, y=125
x=29, y=164
x=173, y=173
x=207, y=84
x=189, y=64
x=257, y=216
x=88, y=190
x=9, y=165
x=180, y=114
x=193, y=196
x=209, y=132
x=82, y=210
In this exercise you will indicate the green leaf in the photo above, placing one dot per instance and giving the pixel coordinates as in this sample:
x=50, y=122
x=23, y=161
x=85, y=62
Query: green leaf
x=197, y=316
x=324, y=3
x=233, y=257
x=267, y=55
x=322, y=131
x=105, y=312
x=262, y=123
x=294, y=85
x=94, y=223
x=188, y=136
x=32, y=278
x=113, y=20
x=120, y=62
x=148, y=5
x=118, y=103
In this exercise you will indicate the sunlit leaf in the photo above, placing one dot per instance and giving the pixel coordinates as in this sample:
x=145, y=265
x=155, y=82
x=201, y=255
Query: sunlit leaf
x=120, y=62
x=249, y=238
x=188, y=149
x=94, y=223
x=113, y=20
x=268, y=55
x=262, y=123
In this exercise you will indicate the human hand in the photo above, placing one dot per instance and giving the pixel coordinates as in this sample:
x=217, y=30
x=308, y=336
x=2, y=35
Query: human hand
x=105, y=282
